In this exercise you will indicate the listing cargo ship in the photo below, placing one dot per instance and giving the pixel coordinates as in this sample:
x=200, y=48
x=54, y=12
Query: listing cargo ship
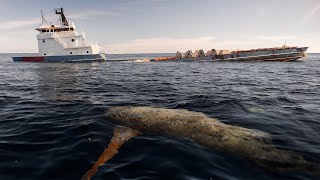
x=62, y=43
x=284, y=53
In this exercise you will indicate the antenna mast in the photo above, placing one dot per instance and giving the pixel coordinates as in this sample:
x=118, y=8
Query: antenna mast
x=43, y=19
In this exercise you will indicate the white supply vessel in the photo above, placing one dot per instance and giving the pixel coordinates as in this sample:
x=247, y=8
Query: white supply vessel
x=62, y=43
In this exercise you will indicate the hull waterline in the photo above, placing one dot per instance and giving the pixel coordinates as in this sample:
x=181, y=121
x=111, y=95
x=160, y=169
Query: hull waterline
x=67, y=58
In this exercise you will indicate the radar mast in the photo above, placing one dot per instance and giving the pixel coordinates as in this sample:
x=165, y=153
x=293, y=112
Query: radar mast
x=63, y=17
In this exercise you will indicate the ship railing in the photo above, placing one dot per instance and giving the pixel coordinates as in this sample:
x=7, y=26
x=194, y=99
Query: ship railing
x=60, y=41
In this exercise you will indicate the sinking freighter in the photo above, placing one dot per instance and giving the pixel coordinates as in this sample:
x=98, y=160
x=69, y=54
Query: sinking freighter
x=284, y=53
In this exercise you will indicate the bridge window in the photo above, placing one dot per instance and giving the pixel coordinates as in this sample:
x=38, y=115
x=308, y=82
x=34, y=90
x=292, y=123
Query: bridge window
x=70, y=52
x=87, y=51
x=45, y=54
x=72, y=40
x=44, y=41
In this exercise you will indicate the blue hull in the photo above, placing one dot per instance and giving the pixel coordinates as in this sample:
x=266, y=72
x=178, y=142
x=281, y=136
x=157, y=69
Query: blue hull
x=67, y=58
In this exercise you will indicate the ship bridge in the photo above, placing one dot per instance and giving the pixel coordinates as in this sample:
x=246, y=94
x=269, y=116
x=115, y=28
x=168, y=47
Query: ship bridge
x=63, y=24
x=56, y=28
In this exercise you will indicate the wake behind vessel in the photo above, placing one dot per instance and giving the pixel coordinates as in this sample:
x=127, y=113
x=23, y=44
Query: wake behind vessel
x=62, y=43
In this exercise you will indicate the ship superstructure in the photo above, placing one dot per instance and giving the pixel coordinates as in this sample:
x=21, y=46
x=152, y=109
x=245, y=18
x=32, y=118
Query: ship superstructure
x=62, y=42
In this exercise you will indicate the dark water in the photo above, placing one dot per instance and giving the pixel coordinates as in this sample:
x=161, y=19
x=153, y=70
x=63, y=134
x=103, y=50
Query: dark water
x=53, y=126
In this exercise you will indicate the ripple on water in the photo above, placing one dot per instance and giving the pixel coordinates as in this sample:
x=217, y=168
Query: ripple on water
x=53, y=126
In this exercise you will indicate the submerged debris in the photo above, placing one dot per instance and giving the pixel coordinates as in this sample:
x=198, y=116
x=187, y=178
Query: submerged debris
x=252, y=144
x=120, y=136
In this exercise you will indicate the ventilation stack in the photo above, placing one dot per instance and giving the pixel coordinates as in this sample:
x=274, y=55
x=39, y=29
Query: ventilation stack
x=211, y=52
x=188, y=54
x=199, y=53
x=178, y=55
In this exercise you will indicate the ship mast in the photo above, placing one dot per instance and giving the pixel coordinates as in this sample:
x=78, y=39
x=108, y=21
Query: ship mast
x=63, y=17
x=43, y=19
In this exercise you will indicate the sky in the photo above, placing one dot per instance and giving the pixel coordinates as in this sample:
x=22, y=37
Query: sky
x=164, y=26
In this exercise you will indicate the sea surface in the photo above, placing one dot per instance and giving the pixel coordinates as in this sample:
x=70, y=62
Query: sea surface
x=52, y=123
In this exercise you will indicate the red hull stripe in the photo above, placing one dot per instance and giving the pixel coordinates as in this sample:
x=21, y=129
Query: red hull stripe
x=32, y=59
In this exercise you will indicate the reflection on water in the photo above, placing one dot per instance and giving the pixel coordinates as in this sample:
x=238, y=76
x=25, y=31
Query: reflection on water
x=63, y=81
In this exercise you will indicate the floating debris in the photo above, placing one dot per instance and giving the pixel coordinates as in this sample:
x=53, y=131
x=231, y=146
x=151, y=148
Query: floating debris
x=256, y=110
x=139, y=60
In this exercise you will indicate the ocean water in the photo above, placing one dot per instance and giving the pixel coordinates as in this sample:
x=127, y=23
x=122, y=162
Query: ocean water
x=52, y=123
